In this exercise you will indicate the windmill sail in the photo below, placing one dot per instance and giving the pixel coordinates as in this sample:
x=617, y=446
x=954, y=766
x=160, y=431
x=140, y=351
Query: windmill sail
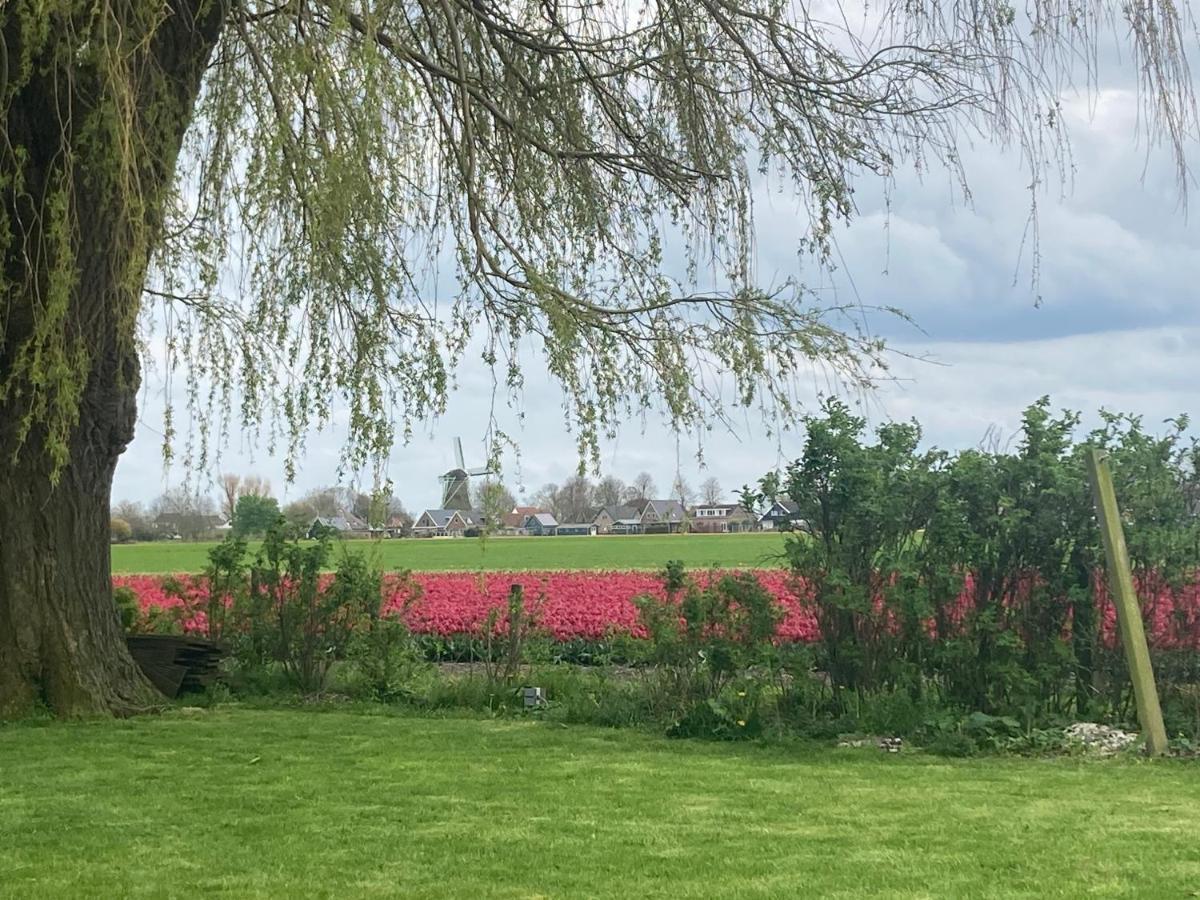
x=456, y=490
x=456, y=484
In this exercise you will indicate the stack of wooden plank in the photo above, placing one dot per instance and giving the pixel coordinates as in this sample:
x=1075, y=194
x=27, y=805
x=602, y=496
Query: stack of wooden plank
x=176, y=664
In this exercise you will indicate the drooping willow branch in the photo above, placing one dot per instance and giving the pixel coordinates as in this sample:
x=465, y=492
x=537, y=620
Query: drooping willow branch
x=370, y=188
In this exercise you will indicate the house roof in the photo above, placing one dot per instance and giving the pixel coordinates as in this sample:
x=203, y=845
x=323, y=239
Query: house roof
x=545, y=519
x=668, y=510
x=781, y=508
x=618, y=512
x=586, y=525
x=732, y=507
x=338, y=523
x=442, y=517
x=519, y=514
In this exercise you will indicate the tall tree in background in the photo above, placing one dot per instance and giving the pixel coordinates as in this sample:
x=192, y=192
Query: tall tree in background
x=182, y=501
x=494, y=498
x=610, y=491
x=533, y=145
x=682, y=491
x=235, y=486
x=710, y=491
x=188, y=513
x=139, y=519
x=255, y=486
x=642, y=488
x=573, y=502
x=545, y=497
x=495, y=501
x=230, y=486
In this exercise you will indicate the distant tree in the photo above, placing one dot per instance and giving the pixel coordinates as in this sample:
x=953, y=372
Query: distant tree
x=254, y=514
x=399, y=518
x=139, y=519
x=545, y=497
x=682, y=491
x=643, y=487
x=300, y=513
x=180, y=500
x=396, y=511
x=495, y=501
x=330, y=501
x=255, y=486
x=230, y=485
x=573, y=502
x=186, y=513
x=757, y=499
x=340, y=500
x=609, y=491
x=324, y=501
x=385, y=506
x=360, y=504
x=494, y=496
x=120, y=530
x=234, y=486
x=710, y=491
x=569, y=502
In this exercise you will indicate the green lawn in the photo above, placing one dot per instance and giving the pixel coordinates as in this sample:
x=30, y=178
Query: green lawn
x=248, y=803
x=504, y=554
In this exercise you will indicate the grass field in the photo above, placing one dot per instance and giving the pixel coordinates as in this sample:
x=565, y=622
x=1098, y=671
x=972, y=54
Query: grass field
x=248, y=803
x=503, y=554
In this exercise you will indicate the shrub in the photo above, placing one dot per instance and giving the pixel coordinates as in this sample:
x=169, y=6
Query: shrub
x=699, y=641
x=120, y=531
x=128, y=609
x=969, y=579
x=311, y=623
x=384, y=656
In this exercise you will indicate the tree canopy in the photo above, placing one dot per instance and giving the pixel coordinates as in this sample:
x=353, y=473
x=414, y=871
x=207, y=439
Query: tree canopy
x=344, y=157
x=254, y=514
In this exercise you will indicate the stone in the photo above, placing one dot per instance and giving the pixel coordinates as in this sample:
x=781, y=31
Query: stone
x=1102, y=739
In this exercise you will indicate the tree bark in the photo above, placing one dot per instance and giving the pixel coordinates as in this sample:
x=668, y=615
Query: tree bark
x=61, y=644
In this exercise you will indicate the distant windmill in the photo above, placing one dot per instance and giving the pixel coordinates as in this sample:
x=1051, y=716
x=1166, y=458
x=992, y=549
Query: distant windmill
x=456, y=488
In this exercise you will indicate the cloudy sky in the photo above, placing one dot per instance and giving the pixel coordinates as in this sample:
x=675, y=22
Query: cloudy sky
x=1116, y=326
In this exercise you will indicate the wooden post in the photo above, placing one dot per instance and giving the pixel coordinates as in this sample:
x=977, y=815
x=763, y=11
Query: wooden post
x=1129, y=614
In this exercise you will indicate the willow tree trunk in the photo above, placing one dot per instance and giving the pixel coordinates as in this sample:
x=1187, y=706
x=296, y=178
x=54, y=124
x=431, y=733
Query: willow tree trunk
x=61, y=644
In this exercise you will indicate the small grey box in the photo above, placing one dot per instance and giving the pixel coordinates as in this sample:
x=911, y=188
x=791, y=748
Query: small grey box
x=534, y=697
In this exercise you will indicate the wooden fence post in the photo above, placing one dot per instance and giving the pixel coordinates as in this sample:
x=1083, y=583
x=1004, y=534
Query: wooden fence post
x=1129, y=614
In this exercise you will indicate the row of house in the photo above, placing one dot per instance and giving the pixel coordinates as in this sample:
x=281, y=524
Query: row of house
x=350, y=525
x=646, y=517
x=194, y=525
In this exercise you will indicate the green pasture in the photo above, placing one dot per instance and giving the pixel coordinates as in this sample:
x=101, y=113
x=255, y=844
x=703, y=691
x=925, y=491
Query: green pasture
x=242, y=803
x=503, y=553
